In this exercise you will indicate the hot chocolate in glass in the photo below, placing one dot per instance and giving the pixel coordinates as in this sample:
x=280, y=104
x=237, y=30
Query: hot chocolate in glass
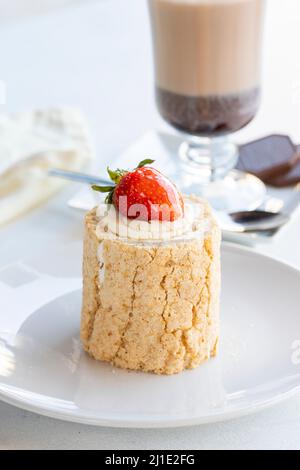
x=207, y=56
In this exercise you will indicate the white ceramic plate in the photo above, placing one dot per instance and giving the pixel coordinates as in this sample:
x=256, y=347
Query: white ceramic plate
x=43, y=368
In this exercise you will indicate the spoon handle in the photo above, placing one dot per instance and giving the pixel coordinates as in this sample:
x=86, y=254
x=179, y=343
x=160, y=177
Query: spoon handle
x=76, y=176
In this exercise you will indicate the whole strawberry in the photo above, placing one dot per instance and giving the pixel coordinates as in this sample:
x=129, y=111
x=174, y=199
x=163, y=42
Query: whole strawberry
x=144, y=193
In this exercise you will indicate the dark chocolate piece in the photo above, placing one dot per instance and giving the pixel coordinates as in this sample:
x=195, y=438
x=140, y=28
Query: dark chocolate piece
x=260, y=156
x=274, y=159
x=279, y=170
x=291, y=178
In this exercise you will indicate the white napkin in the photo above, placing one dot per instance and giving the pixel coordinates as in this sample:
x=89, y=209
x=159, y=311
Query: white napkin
x=30, y=144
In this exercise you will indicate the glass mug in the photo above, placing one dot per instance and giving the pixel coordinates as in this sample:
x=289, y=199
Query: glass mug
x=207, y=57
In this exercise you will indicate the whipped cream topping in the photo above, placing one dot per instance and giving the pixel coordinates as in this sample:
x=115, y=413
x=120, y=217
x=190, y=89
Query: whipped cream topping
x=112, y=224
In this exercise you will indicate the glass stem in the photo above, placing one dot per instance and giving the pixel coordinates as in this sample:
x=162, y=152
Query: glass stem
x=210, y=158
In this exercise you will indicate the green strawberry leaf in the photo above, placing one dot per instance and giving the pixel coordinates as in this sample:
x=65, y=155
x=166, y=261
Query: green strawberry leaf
x=103, y=189
x=147, y=161
x=109, y=197
x=116, y=175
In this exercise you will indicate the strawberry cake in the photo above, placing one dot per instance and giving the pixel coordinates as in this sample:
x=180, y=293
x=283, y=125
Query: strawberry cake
x=151, y=275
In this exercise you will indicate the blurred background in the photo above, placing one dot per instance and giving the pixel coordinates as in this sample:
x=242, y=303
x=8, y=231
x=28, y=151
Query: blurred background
x=16, y=9
x=97, y=56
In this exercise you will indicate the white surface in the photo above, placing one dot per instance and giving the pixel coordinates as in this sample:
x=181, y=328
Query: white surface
x=99, y=59
x=44, y=369
x=18, y=9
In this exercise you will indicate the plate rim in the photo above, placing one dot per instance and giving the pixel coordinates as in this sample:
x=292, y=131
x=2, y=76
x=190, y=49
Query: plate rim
x=172, y=421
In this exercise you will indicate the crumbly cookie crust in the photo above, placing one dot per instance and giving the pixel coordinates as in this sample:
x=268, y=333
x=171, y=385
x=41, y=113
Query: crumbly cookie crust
x=151, y=307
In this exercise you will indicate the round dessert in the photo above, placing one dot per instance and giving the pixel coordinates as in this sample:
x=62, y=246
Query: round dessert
x=151, y=276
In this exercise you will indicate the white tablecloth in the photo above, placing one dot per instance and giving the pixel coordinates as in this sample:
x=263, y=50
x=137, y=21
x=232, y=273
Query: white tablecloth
x=97, y=56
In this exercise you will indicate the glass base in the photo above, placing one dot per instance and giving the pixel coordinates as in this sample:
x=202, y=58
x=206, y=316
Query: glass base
x=235, y=192
x=207, y=170
x=208, y=158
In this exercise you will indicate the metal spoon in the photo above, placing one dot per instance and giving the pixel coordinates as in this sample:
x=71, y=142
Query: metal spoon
x=268, y=220
x=243, y=221
x=79, y=177
x=252, y=221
